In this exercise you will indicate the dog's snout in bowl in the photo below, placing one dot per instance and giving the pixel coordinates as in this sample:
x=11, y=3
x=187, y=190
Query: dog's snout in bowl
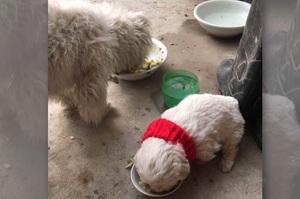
x=146, y=190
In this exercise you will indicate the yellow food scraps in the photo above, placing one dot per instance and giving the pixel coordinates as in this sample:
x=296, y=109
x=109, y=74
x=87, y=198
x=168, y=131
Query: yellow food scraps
x=149, y=63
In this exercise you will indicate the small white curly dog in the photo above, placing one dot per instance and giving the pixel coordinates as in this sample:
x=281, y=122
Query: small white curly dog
x=196, y=129
x=87, y=42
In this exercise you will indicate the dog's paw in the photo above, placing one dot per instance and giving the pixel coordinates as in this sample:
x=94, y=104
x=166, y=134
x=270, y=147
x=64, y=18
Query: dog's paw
x=226, y=165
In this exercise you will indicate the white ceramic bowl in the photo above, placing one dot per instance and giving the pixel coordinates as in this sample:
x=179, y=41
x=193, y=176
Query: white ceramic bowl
x=222, y=18
x=135, y=179
x=158, y=51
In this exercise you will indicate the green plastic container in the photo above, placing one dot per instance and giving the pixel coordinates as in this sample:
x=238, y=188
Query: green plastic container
x=178, y=84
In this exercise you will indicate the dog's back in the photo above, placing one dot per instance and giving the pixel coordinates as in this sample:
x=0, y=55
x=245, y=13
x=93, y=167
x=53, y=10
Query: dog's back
x=205, y=113
x=212, y=120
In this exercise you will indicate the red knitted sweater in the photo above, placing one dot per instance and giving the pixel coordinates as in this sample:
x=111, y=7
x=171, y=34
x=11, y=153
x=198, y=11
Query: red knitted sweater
x=171, y=132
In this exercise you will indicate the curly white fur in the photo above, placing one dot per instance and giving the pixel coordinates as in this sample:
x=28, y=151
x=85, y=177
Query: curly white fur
x=214, y=122
x=87, y=42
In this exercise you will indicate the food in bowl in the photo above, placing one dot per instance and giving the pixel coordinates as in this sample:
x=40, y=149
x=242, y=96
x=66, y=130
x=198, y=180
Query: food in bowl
x=156, y=57
x=149, y=64
x=147, y=188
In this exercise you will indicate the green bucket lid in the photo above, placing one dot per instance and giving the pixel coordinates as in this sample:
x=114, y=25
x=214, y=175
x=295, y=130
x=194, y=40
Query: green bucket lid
x=177, y=84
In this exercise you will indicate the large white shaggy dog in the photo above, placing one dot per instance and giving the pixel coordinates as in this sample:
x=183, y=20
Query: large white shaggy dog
x=87, y=42
x=196, y=129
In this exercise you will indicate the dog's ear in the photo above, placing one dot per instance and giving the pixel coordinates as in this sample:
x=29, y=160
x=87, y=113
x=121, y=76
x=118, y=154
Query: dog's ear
x=180, y=162
x=184, y=170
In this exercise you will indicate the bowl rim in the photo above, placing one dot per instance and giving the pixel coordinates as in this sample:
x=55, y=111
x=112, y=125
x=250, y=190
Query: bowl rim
x=136, y=185
x=185, y=73
x=159, y=43
x=134, y=75
x=213, y=2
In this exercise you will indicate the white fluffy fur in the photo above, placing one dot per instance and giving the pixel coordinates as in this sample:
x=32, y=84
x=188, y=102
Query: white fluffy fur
x=87, y=42
x=214, y=122
x=281, y=144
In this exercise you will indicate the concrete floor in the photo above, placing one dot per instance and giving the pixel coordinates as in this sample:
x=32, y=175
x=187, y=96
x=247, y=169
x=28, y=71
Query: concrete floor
x=92, y=164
